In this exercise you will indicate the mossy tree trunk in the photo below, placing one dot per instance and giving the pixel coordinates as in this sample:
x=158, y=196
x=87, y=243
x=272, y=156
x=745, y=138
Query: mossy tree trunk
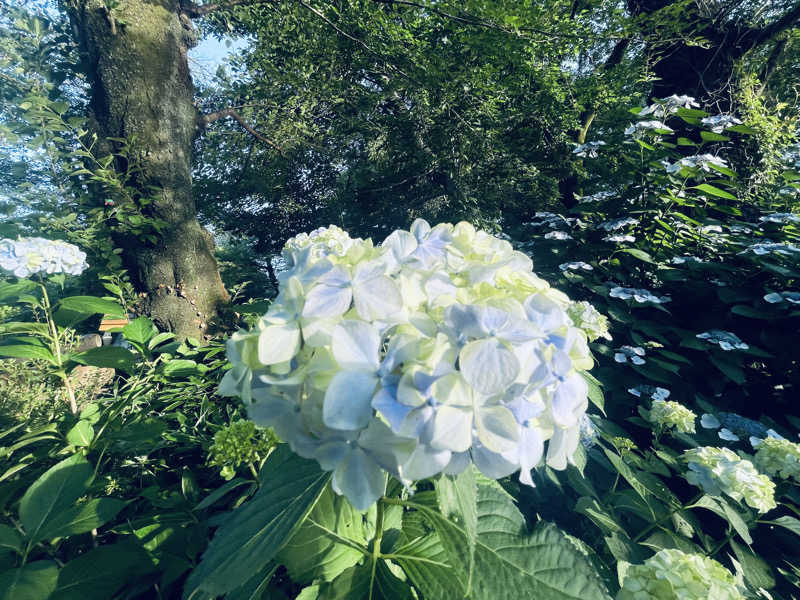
x=141, y=90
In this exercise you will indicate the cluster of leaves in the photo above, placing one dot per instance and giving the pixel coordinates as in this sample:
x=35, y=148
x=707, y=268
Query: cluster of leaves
x=116, y=500
x=699, y=286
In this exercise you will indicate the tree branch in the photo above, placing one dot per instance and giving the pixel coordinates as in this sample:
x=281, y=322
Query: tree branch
x=753, y=38
x=206, y=119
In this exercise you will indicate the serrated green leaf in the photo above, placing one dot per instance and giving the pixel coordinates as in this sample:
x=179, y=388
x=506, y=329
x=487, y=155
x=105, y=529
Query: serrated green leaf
x=756, y=572
x=329, y=541
x=513, y=563
x=139, y=331
x=458, y=501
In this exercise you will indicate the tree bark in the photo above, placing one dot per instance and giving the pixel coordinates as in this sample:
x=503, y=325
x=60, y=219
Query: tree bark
x=141, y=90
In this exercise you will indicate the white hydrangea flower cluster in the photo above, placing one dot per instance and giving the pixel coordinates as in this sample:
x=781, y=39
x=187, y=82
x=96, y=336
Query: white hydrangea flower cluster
x=615, y=224
x=703, y=162
x=675, y=575
x=668, y=414
x=643, y=126
x=632, y=353
x=780, y=218
x=596, y=197
x=778, y=297
x=668, y=106
x=721, y=470
x=638, y=294
x=577, y=265
x=777, y=456
x=620, y=237
x=438, y=348
x=724, y=339
x=719, y=123
x=27, y=256
x=654, y=393
x=586, y=317
x=589, y=149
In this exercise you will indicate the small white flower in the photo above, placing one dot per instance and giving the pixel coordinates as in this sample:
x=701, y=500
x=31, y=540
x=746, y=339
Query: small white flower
x=709, y=421
x=727, y=435
x=782, y=218
x=643, y=126
x=777, y=297
x=557, y=235
x=615, y=224
x=596, y=197
x=639, y=295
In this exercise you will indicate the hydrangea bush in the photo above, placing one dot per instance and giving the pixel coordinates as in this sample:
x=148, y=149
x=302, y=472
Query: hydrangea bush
x=437, y=349
x=34, y=255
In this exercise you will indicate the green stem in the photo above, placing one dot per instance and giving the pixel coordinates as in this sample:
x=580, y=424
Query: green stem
x=658, y=523
x=56, y=346
x=376, y=544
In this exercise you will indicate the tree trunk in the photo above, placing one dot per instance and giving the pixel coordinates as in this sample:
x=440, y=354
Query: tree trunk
x=141, y=90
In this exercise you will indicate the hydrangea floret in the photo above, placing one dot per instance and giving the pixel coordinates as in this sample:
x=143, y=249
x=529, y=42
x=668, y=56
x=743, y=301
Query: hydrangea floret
x=619, y=237
x=615, y=224
x=596, y=197
x=781, y=218
x=675, y=575
x=762, y=248
x=437, y=349
x=739, y=425
x=643, y=126
x=28, y=256
x=668, y=106
x=777, y=456
x=668, y=414
x=721, y=470
x=557, y=235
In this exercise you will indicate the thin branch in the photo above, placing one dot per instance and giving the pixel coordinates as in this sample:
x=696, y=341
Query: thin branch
x=191, y=9
x=206, y=119
x=476, y=22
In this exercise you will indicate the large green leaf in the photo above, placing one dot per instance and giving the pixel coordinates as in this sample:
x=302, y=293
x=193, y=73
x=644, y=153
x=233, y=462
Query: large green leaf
x=9, y=292
x=34, y=581
x=139, y=331
x=10, y=539
x=100, y=573
x=327, y=542
x=424, y=561
x=458, y=501
x=89, y=305
x=361, y=583
x=254, y=533
x=58, y=488
x=33, y=350
x=80, y=519
x=109, y=357
x=513, y=563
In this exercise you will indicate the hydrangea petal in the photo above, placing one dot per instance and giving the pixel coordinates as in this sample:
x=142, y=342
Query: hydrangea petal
x=278, y=343
x=360, y=479
x=356, y=345
x=348, y=400
x=488, y=366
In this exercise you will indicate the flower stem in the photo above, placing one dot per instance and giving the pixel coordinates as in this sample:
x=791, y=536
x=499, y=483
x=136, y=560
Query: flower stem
x=376, y=544
x=56, y=346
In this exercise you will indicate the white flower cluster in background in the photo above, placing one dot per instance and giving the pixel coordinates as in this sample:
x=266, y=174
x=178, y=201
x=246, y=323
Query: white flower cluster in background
x=721, y=470
x=719, y=123
x=437, y=349
x=671, y=574
x=724, y=339
x=578, y=265
x=704, y=162
x=27, y=256
x=668, y=106
x=630, y=353
x=643, y=126
x=762, y=248
x=778, y=297
x=615, y=224
x=777, y=456
x=654, y=393
x=781, y=218
x=596, y=197
x=638, y=294
x=668, y=414
x=619, y=237
x=589, y=149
